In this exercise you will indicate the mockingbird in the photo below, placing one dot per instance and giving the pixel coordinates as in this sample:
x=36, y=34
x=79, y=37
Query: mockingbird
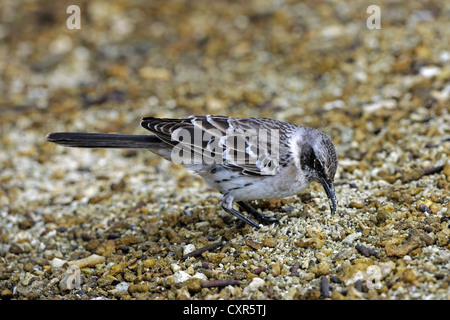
x=243, y=158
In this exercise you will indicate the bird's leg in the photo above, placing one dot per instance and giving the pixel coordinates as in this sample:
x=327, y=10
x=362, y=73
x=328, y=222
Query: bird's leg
x=227, y=204
x=258, y=215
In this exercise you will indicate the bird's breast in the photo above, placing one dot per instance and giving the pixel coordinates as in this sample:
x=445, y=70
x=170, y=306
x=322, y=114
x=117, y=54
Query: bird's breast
x=287, y=182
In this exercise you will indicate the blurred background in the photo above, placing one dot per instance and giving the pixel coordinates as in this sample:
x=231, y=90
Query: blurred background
x=310, y=62
x=315, y=63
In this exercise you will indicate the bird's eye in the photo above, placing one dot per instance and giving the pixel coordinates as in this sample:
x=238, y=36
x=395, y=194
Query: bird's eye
x=318, y=165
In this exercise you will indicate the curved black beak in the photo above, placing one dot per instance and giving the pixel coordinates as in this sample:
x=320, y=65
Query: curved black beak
x=329, y=189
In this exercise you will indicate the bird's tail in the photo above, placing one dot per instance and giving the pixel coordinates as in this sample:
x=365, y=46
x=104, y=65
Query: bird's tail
x=100, y=140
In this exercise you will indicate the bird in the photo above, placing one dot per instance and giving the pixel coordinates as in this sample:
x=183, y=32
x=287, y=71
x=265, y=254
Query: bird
x=245, y=159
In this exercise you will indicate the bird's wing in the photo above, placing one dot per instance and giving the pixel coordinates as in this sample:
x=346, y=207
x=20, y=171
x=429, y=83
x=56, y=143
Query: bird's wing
x=255, y=146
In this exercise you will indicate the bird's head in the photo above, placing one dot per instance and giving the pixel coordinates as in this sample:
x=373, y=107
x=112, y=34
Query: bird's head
x=318, y=160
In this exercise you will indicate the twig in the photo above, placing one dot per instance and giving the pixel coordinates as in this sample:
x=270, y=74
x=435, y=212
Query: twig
x=433, y=170
x=259, y=270
x=367, y=251
x=325, y=287
x=208, y=247
x=219, y=283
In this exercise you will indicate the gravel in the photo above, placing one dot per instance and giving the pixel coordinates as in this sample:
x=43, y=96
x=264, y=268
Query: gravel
x=81, y=224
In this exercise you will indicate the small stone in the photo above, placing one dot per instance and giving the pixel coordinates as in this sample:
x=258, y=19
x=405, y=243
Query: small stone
x=14, y=248
x=270, y=242
x=113, y=236
x=356, y=205
x=86, y=236
x=384, y=212
x=26, y=224
x=354, y=272
x=254, y=285
x=352, y=237
x=183, y=294
x=312, y=294
x=151, y=73
x=90, y=261
x=253, y=244
x=309, y=242
x=175, y=267
x=424, y=206
x=447, y=170
x=276, y=269
x=138, y=288
x=321, y=269
x=409, y=275
x=344, y=254
x=6, y=294
x=106, y=249
x=354, y=294
x=122, y=286
x=149, y=263
x=188, y=249
x=92, y=245
x=106, y=280
x=116, y=269
x=58, y=263
x=416, y=238
x=29, y=279
x=181, y=276
x=193, y=284
x=125, y=241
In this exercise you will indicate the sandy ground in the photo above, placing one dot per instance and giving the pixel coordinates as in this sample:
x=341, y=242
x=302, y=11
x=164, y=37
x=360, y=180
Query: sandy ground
x=120, y=224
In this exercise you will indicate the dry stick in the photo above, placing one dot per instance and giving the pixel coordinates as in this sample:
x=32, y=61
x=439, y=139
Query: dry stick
x=259, y=270
x=199, y=251
x=325, y=287
x=219, y=283
x=367, y=251
x=433, y=170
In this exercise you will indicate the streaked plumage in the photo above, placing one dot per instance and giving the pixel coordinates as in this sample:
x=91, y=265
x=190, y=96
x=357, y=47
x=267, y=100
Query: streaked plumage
x=275, y=159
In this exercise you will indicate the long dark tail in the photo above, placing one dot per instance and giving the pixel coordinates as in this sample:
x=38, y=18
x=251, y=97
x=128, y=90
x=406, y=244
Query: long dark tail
x=101, y=140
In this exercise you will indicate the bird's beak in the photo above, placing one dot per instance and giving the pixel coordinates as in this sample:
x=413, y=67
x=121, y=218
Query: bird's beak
x=329, y=189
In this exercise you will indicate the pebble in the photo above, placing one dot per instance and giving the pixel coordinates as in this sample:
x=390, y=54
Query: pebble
x=446, y=170
x=253, y=244
x=350, y=239
x=354, y=272
x=357, y=205
x=188, y=249
x=6, y=294
x=194, y=284
x=122, y=286
x=138, y=288
x=90, y=261
x=321, y=269
x=181, y=276
x=254, y=285
x=16, y=249
x=58, y=263
x=270, y=242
